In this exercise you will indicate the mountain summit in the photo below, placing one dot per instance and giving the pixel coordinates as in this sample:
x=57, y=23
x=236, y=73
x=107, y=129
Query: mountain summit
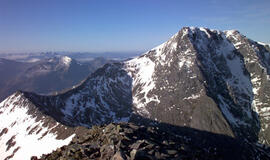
x=209, y=80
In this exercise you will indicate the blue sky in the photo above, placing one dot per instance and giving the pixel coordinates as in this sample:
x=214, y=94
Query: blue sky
x=120, y=25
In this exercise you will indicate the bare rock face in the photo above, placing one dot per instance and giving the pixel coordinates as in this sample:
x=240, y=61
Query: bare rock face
x=202, y=79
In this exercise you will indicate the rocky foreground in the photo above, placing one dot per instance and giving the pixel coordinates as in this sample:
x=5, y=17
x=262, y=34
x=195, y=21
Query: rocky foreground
x=130, y=141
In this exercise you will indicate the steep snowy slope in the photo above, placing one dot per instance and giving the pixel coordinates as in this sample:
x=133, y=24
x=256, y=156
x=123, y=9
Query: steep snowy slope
x=200, y=78
x=25, y=131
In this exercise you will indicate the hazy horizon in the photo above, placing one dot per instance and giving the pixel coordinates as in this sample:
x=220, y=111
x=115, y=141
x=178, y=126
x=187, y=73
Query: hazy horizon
x=69, y=52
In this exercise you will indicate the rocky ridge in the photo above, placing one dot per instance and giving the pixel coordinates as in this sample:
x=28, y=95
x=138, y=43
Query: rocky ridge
x=133, y=142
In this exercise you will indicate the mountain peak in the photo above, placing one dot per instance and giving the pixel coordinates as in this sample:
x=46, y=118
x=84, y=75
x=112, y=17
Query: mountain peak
x=231, y=32
x=207, y=31
x=66, y=60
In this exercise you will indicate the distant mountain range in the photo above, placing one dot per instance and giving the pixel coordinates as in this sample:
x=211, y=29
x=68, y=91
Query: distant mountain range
x=79, y=56
x=45, y=76
x=207, y=83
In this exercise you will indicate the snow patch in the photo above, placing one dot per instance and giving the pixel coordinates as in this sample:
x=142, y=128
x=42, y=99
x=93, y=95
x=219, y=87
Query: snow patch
x=66, y=60
x=142, y=70
x=230, y=32
x=193, y=96
x=205, y=31
x=264, y=44
x=70, y=105
x=186, y=59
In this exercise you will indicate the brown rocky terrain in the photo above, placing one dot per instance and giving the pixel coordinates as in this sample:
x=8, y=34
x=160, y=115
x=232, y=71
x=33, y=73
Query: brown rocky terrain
x=133, y=142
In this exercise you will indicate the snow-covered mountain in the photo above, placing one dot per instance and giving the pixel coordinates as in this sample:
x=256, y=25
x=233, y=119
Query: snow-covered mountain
x=210, y=80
